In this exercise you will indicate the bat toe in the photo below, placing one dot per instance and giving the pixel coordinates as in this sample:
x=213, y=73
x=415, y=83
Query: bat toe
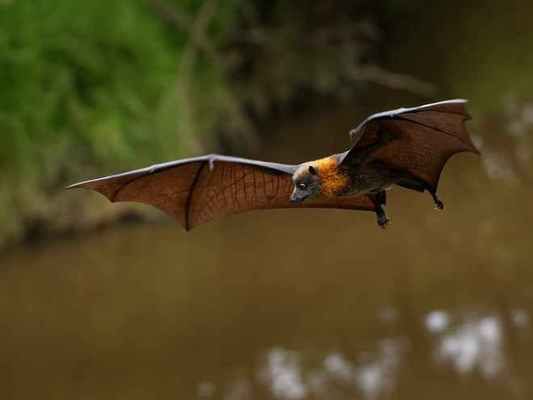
x=383, y=222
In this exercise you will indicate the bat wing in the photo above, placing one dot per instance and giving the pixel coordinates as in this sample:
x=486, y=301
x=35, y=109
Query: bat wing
x=197, y=190
x=423, y=138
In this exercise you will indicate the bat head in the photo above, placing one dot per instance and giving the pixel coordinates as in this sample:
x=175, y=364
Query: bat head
x=306, y=183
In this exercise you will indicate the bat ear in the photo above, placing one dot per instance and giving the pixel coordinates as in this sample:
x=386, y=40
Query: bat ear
x=312, y=170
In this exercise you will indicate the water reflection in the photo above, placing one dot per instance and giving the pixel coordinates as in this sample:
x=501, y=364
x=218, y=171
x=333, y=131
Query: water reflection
x=206, y=390
x=283, y=374
x=475, y=344
x=469, y=344
x=437, y=321
x=520, y=318
x=378, y=376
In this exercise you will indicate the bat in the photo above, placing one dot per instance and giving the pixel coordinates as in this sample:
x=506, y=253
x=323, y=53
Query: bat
x=407, y=147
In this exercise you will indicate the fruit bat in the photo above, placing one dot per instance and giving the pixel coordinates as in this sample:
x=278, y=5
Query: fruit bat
x=407, y=147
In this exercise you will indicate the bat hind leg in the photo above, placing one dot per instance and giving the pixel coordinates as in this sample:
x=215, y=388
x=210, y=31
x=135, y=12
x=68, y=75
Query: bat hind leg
x=439, y=205
x=380, y=199
x=420, y=186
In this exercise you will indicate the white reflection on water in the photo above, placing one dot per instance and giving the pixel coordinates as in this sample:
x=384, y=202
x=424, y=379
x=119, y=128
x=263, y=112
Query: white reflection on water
x=520, y=318
x=388, y=314
x=471, y=343
x=372, y=378
x=437, y=321
x=206, y=390
x=378, y=376
x=476, y=344
x=240, y=389
x=283, y=374
x=337, y=366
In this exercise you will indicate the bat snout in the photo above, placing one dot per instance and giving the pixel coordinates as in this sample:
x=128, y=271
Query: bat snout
x=297, y=197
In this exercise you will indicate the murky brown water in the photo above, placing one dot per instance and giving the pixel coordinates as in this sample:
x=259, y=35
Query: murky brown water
x=295, y=304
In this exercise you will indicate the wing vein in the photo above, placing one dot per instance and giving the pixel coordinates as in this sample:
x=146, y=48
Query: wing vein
x=122, y=187
x=189, y=196
x=433, y=128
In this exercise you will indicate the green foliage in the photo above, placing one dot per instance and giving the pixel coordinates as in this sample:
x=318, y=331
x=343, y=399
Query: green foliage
x=97, y=78
x=97, y=85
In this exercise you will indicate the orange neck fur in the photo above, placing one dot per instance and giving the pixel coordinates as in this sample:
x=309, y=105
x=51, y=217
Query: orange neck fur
x=333, y=181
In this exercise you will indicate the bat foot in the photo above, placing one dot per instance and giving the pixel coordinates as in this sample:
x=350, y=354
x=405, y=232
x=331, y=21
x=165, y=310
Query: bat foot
x=439, y=205
x=379, y=200
x=383, y=222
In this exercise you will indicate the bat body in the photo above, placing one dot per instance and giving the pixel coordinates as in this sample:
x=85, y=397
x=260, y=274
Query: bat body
x=407, y=147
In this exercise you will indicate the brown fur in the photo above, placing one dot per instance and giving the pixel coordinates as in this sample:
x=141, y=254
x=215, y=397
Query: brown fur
x=333, y=180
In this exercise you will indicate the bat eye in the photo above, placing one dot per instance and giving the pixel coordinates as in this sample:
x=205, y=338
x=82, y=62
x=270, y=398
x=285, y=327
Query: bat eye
x=302, y=186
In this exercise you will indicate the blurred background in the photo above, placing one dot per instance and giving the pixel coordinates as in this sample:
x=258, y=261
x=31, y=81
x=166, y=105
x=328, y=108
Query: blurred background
x=101, y=301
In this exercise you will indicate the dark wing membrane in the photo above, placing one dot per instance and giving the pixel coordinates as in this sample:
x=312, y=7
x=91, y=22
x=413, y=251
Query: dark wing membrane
x=423, y=138
x=198, y=190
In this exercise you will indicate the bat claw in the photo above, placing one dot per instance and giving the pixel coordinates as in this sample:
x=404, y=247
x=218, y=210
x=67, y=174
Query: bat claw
x=211, y=163
x=439, y=205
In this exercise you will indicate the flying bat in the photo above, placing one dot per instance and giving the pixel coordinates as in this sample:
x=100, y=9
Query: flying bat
x=407, y=147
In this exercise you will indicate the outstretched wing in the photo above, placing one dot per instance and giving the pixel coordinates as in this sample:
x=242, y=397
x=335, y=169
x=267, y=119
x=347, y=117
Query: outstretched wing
x=197, y=190
x=420, y=139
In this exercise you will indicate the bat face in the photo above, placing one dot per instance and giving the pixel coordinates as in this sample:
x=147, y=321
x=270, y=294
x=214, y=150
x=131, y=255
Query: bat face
x=306, y=183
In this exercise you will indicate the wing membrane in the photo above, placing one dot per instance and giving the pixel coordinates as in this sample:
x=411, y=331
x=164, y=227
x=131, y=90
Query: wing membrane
x=424, y=138
x=198, y=190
